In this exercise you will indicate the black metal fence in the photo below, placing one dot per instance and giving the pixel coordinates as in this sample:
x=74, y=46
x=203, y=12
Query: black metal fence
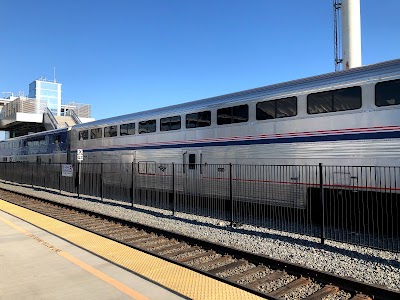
x=358, y=205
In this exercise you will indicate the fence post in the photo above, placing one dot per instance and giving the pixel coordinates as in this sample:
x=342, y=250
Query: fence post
x=173, y=189
x=79, y=178
x=230, y=194
x=44, y=174
x=59, y=178
x=101, y=182
x=132, y=184
x=32, y=164
x=321, y=193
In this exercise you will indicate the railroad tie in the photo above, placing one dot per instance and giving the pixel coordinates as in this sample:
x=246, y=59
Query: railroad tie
x=131, y=235
x=144, y=242
x=267, y=279
x=235, y=278
x=85, y=223
x=302, y=281
x=361, y=297
x=125, y=230
x=197, y=256
x=322, y=293
x=137, y=237
x=182, y=251
x=118, y=231
x=213, y=262
x=160, y=242
x=174, y=246
x=100, y=227
x=227, y=267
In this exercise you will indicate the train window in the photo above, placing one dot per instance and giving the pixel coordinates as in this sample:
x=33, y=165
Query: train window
x=57, y=139
x=266, y=110
x=83, y=135
x=110, y=131
x=199, y=119
x=286, y=107
x=96, y=133
x=147, y=126
x=192, y=161
x=170, y=123
x=127, y=129
x=336, y=100
x=233, y=114
x=319, y=103
x=387, y=93
x=280, y=108
x=147, y=167
x=347, y=99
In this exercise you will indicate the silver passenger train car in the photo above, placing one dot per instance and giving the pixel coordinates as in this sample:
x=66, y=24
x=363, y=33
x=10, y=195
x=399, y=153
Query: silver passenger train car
x=349, y=117
x=344, y=118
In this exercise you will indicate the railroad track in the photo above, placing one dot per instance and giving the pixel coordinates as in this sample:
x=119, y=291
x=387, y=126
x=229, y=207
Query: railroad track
x=258, y=274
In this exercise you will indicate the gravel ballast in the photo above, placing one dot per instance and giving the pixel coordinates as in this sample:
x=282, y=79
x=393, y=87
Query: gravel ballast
x=361, y=263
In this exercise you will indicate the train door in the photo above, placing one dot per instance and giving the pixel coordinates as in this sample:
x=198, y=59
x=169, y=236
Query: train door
x=127, y=167
x=192, y=171
x=297, y=192
x=283, y=186
x=128, y=158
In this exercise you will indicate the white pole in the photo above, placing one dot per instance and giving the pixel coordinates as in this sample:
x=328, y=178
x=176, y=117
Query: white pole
x=351, y=34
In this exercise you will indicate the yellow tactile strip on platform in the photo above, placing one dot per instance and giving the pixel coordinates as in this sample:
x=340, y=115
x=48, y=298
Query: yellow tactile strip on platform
x=171, y=276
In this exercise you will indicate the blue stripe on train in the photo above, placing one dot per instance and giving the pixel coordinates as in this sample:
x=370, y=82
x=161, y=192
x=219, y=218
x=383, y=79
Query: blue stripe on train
x=302, y=139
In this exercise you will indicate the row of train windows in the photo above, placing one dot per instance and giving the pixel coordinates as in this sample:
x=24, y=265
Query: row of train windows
x=19, y=144
x=386, y=93
x=40, y=141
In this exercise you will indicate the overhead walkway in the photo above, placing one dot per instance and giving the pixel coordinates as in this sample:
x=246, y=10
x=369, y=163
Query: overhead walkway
x=55, y=122
x=22, y=116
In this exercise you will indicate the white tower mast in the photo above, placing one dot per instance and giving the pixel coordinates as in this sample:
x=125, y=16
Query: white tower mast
x=350, y=33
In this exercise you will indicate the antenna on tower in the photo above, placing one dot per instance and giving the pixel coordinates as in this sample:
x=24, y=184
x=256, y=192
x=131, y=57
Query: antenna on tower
x=54, y=76
x=347, y=33
x=337, y=5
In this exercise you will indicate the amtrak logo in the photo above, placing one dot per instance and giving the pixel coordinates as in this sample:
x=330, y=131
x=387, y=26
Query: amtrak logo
x=162, y=168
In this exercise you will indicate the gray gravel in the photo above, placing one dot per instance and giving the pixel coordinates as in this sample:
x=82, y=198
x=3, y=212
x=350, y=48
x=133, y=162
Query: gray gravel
x=340, y=295
x=276, y=284
x=363, y=264
x=302, y=292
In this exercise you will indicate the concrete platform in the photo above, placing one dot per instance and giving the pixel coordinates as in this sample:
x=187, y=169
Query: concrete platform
x=48, y=259
x=31, y=267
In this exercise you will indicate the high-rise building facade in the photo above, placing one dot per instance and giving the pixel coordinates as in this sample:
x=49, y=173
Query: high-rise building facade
x=48, y=91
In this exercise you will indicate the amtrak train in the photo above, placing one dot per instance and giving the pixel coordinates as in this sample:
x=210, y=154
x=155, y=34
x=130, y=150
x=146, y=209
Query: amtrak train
x=350, y=117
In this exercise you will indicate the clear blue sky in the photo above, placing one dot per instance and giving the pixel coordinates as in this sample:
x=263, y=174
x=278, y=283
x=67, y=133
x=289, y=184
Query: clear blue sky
x=124, y=56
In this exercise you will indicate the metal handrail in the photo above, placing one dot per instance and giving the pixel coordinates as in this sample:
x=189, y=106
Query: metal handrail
x=75, y=117
x=52, y=118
